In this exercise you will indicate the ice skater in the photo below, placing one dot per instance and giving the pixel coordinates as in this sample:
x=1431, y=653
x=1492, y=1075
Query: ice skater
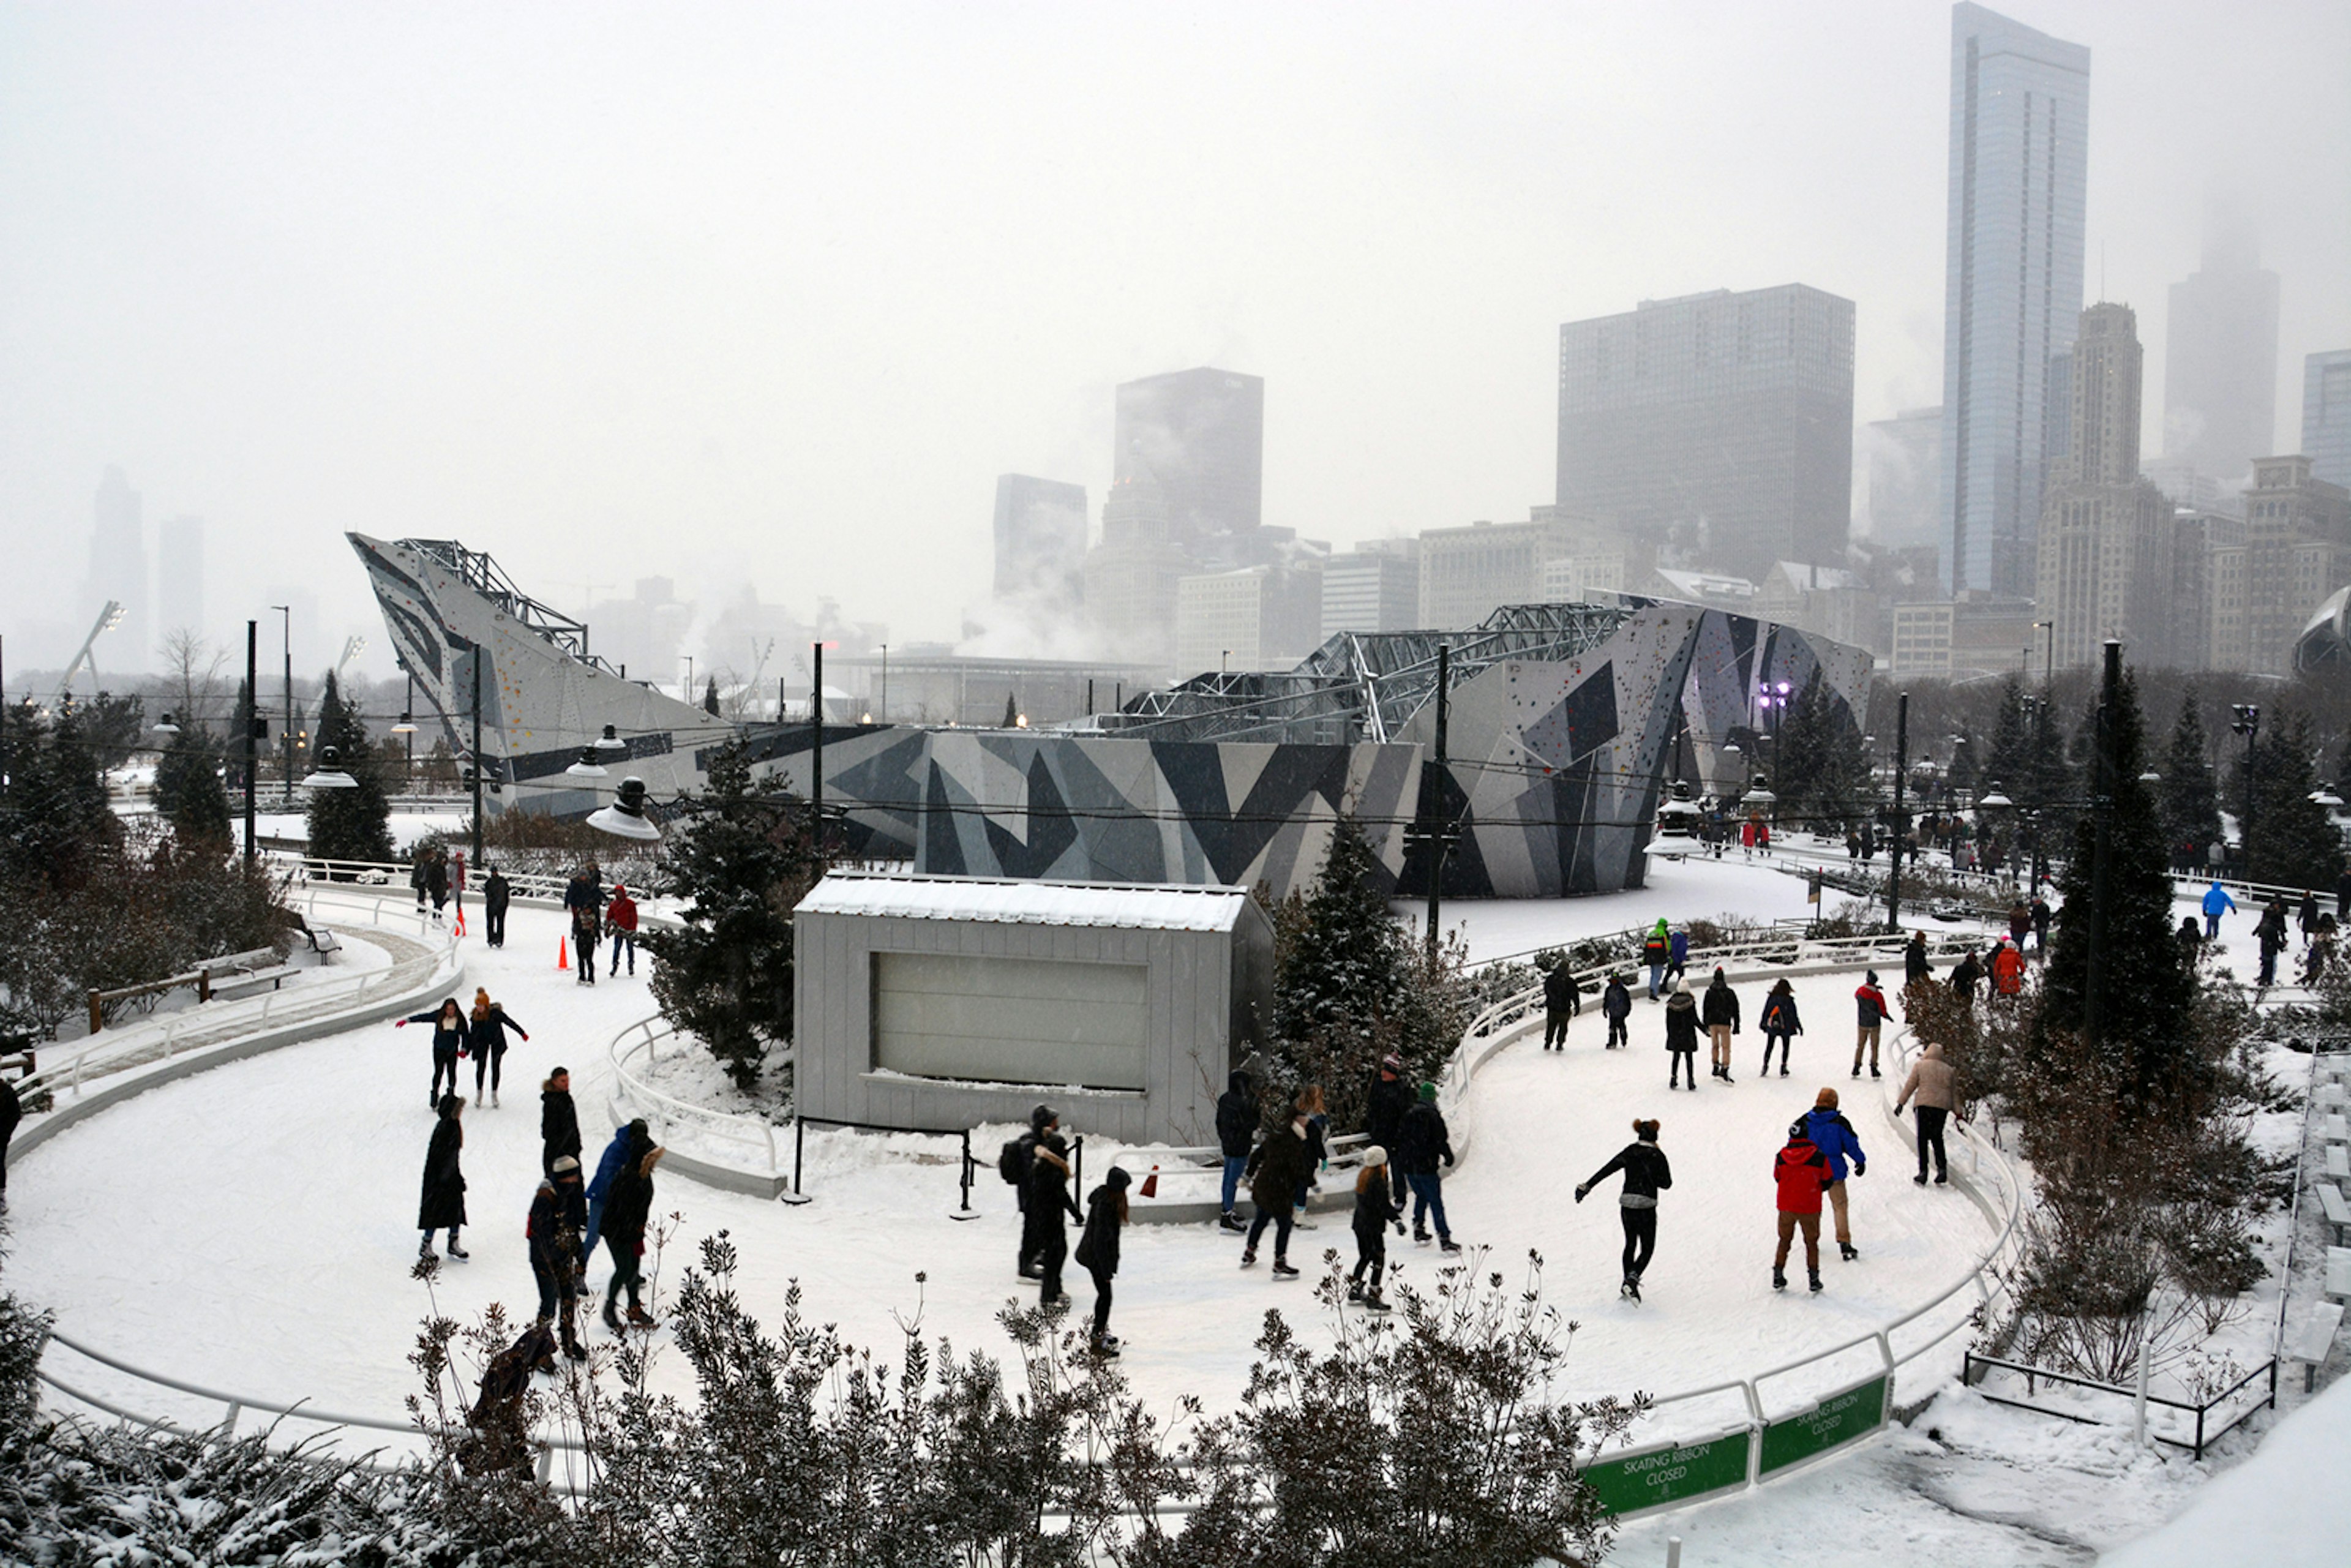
x=1801, y=1172
x=1097, y=1251
x=628, y=1208
x=1561, y=1003
x=1375, y=1210
x=489, y=1036
x=1681, y=1036
x=1277, y=1169
x=1779, y=1022
x=1830, y=1132
x=1616, y=1007
x=559, y=1121
x=1872, y=1012
x=557, y=1214
x=1721, y=1012
x=495, y=893
x=442, y=1205
x=1935, y=1087
x=1646, y=1174
x=449, y=1039
x=1421, y=1143
x=1657, y=951
x=621, y=919
x=1046, y=1240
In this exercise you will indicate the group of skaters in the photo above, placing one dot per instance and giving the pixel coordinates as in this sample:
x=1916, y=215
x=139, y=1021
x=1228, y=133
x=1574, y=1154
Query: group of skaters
x=595, y=914
x=2272, y=932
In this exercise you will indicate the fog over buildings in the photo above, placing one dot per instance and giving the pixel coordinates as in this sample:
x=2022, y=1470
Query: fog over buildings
x=1014, y=334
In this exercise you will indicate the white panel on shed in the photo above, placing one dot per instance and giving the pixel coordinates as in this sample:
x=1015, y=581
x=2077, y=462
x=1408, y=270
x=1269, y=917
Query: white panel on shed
x=1010, y=1020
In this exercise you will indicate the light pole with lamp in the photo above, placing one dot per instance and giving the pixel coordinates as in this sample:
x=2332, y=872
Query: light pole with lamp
x=2247, y=722
x=287, y=611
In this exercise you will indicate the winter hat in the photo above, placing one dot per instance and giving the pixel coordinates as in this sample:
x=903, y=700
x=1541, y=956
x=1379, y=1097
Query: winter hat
x=449, y=1104
x=1374, y=1156
x=565, y=1164
x=1117, y=1179
x=1645, y=1130
x=1428, y=1091
x=1871, y=978
x=1042, y=1117
x=1682, y=985
x=1826, y=1097
x=1796, y=1130
x=1391, y=1063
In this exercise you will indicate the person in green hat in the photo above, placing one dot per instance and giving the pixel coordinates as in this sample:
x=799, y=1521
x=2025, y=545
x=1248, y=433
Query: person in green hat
x=1655, y=949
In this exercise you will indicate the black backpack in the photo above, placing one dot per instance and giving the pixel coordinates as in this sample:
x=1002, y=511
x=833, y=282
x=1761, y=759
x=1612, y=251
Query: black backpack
x=1012, y=1162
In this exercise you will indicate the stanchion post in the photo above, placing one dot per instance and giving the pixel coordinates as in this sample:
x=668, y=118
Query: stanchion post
x=799, y=1129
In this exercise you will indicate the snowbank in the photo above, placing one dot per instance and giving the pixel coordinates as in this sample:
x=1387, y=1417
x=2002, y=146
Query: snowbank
x=2281, y=1506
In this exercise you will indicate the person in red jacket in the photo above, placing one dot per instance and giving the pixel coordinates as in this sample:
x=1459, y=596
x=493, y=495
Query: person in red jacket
x=2008, y=972
x=1802, y=1172
x=621, y=915
x=1871, y=1003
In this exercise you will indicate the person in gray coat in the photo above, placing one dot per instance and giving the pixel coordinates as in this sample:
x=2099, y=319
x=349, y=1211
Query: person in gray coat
x=1935, y=1086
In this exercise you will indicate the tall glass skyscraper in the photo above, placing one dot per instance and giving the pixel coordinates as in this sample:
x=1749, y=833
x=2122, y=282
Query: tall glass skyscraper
x=2326, y=415
x=2012, y=289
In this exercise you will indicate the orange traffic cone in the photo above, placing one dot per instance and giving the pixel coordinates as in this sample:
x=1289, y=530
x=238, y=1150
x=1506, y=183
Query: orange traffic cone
x=461, y=920
x=562, y=954
x=1151, y=1183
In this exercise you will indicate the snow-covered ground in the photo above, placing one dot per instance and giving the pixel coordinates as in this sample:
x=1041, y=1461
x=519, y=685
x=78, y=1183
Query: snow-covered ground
x=253, y=1229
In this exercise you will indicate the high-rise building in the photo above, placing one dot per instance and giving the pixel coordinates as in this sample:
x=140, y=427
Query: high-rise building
x=2296, y=551
x=180, y=577
x=1719, y=424
x=2105, y=547
x=1467, y=573
x=1251, y=618
x=1199, y=436
x=2326, y=415
x=2013, y=284
x=1131, y=577
x=1040, y=542
x=117, y=570
x=2219, y=376
x=1906, y=479
x=1374, y=588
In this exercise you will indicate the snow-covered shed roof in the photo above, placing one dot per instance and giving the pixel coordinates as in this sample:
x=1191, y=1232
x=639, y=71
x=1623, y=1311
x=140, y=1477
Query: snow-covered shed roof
x=1142, y=908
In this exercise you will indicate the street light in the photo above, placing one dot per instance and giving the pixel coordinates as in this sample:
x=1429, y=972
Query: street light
x=588, y=766
x=2247, y=723
x=610, y=740
x=330, y=774
x=167, y=726
x=625, y=817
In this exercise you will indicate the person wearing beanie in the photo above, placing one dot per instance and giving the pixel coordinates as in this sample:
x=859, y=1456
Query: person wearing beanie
x=1646, y=1174
x=442, y=1205
x=552, y=1236
x=1830, y=1133
x=628, y=1210
x=490, y=1024
x=559, y=1121
x=1873, y=1012
x=1721, y=1012
x=1800, y=1172
x=448, y=1021
x=1616, y=1007
x=1562, y=1001
x=1681, y=1036
x=1044, y=1237
x=1279, y=1166
x=1044, y=1119
x=621, y=919
x=1421, y=1143
x=1375, y=1210
x=1391, y=1097
x=1098, y=1250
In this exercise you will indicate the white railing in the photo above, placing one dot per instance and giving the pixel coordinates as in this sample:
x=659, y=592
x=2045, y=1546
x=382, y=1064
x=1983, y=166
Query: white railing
x=645, y=1038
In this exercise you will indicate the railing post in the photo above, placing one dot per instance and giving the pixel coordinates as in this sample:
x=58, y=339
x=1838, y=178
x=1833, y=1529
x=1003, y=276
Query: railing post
x=228, y=1422
x=966, y=1178
x=799, y=1129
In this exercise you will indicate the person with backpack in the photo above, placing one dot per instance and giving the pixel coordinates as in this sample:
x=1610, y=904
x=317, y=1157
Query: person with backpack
x=1015, y=1162
x=1376, y=1207
x=1390, y=1098
x=559, y=1122
x=449, y=1039
x=496, y=892
x=1830, y=1133
x=1421, y=1143
x=1098, y=1251
x=1681, y=1036
x=1279, y=1165
x=620, y=918
x=628, y=1144
x=1657, y=951
x=1935, y=1087
x=1616, y=1007
x=1044, y=1236
x=628, y=1213
x=1779, y=1022
x=1870, y=1004
x=1236, y=1129
x=1561, y=1003
x=437, y=881
x=1646, y=1174
x=489, y=1035
x=443, y=1204
x=557, y=1214
x=1801, y=1173
x=1721, y=1011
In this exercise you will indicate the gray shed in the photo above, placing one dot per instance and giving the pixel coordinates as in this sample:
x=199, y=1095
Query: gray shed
x=945, y=1001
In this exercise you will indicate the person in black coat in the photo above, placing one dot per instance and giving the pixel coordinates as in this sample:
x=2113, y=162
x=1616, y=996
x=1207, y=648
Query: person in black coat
x=559, y=1121
x=1561, y=1003
x=1098, y=1250
x=628, y=1210
x=442, y=1205
x=1965, y=976
x=1779, y=1022
x=11, y=1111
x=1276, y=1171
x=1681, y=1035
x=1421, y=1143
x=1044, y=1119
x=1235, y=1127
x=1646, y=1174
x=1914, y=966
x=449, y=1037
x=557, y=1214
x=1720, y=1009
x=1391, y=1097
x=1044, y=1237
x=490, y=1024
x=495, y=893
x=1375, y=1210
x=436, y=880
x=1617, y=1006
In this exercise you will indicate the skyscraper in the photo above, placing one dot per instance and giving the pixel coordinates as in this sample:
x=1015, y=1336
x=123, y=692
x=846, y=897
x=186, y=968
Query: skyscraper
x=1905, y=475
x=2106, y=564
x=2296, y=551
x=2326, y=415
x=2012, y=284
x=1718, y=423
x=1199, y=436
x=180, y=577
x=1040, y=542
x=117, y=570
x=2219, y=376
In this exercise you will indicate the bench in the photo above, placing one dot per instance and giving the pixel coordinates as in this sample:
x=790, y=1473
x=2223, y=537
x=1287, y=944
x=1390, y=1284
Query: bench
x=2338, y=1162
x=2338, y=1212
x=247, y=982
x=2330, y=1093
x=2338, y=1272
x=2315, y=1342
x=2334, y=1130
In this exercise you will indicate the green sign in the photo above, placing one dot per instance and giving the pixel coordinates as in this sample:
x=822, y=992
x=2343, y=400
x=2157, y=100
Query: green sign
x=1840, y=1418
x=1632, y=1482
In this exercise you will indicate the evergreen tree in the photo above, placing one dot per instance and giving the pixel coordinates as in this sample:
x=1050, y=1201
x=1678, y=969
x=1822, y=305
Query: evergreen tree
x=1821, y=770
x=2051, y=786
x=1340, y=964
x=2145, y=987
x=2191, y=800
x=710, y=697
x=348, y=824
x=58, y=826
x=2289, y=841
x=725, y=975
x=188, y=792
x=2010, y=758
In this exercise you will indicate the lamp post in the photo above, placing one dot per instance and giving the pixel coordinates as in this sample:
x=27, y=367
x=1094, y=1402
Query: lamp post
x=1901, y=822
x=287, y=611
x=2247, y=723
x=2048, y=629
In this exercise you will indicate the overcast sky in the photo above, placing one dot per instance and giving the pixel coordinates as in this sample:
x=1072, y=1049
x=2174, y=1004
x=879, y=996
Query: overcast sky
x=773, y=293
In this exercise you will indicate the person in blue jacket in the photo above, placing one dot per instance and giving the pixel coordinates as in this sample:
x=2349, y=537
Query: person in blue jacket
x=628, y=1146
x=1679, y=948
x=1835, y=1136
x=2217, y=903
